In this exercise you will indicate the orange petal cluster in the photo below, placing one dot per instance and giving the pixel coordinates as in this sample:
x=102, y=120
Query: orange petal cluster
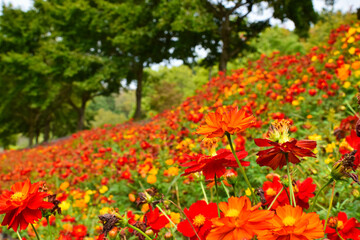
x=292, y=223
x=240, y=220
x=226, y=119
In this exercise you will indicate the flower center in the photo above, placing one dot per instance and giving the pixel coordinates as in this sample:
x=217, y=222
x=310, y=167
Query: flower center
x=232, y=213
x=289, y=221
x=199, y=220
x=279, y=131
x=270, y=192
x=18, y=196
x=340, y=225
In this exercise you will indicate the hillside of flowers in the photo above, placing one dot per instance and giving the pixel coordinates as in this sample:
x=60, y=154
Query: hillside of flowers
x=266, y=152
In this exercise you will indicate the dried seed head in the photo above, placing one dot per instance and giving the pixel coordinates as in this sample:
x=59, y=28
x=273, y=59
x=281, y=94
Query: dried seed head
x=109, y=221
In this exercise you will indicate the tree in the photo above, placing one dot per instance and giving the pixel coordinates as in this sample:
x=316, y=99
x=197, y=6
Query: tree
x=302, y=13
x=225, y=29
x=76, y=51
x=140, y=37
x=28, y=95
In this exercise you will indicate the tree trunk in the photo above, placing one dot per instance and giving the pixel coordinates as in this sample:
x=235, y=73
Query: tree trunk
x=47, y=131
x=81, y=114
x=223, y=61
x=37, y=137
x=31, y=135
x=139, y=78
x=225, y=38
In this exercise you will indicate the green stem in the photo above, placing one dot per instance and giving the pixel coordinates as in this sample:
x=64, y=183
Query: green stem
x=339, y=234
x=294, y=199
x=137, y=229
x=272, y=203
x=330, y=206
x=317, y=195
x=351, y=109
x=225, y=188
x=180, y=209
x=290, y=182
x=18, y=234
x=203, y=190
x=168, y=218
x=217, y=196
x=241, y=167
x=49, y=228
x=37, y=235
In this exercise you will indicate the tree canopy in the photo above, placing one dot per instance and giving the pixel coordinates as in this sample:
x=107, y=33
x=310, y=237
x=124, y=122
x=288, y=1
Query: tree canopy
x=60, y=55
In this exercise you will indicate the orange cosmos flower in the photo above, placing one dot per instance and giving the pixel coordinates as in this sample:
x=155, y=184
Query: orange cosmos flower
x=240, y=221
x=292, y=223
x=225, y=119
x=22, y=205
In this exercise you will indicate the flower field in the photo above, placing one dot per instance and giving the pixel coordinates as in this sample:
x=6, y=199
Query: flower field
x=268, y=151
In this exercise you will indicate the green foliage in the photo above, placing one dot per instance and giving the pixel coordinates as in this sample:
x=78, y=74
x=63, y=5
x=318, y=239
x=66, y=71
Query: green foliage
x=302, y=13
x=278, y=39
x=112, y=109
x=168, y=87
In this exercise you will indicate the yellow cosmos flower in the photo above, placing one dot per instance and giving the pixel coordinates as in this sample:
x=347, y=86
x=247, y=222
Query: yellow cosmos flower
x=105, y=210
x=248, y=192
x=295, y=103
x=330, y=148
x=351, y=31
x=351, y=40
x=154, y=171
x=64, y=205
x=103, y=189
x=87, y=198
x=347, y=84
x=352, y=50
x=329, y=160
x=315, y=137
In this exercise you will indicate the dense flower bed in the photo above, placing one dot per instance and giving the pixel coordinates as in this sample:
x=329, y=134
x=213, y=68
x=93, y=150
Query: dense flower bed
x=161, y=179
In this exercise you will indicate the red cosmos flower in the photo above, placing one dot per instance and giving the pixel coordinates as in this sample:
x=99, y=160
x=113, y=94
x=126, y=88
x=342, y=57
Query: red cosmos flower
x=79, y=231
x=225, y=119
x=271, y=189
x=211, y=165
x=304, y=191
x=347, y=228
x=200, y=214
x=153, y=219
x=354, y=141
x=276, y=157
x=22, y=204
x=68, y=218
